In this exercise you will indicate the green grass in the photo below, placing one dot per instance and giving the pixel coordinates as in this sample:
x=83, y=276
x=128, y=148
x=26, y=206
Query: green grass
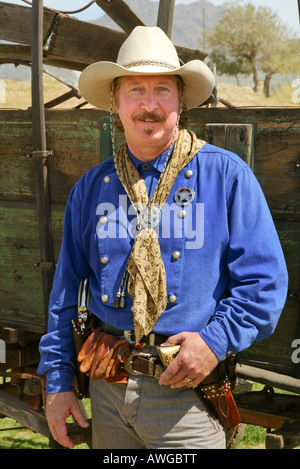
x=253, y=438
x=20, y=438
x=23, y=438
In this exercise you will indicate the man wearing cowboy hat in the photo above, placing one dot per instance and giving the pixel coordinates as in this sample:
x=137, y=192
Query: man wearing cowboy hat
x=179, y=247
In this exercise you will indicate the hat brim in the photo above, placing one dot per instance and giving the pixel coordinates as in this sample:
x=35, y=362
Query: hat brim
x=95, y=81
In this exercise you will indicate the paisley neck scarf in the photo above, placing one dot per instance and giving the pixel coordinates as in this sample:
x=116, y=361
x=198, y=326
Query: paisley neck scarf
x=145, y=272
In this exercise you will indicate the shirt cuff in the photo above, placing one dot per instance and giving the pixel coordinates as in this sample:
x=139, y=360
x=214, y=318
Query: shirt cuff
x=58, y=380
x=216, y=338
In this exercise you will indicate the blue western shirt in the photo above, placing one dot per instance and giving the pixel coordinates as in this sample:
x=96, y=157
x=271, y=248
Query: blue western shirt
x=225, y=269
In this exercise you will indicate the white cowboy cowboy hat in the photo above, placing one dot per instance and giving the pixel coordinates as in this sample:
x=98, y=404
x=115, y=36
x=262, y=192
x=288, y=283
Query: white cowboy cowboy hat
x=146, y=51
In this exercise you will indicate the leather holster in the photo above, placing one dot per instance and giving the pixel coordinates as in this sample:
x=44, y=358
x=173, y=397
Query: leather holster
x=215, y=392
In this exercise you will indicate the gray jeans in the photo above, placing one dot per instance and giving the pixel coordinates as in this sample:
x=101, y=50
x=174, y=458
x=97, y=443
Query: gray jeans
x=146, y=415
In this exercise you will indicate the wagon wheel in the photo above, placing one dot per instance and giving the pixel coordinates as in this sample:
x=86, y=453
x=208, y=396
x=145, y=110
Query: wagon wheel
x=234, y=435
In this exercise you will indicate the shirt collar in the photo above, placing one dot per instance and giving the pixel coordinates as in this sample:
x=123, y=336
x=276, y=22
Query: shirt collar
x=158, y=163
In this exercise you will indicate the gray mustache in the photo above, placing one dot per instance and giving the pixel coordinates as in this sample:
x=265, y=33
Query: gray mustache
x=149, y=115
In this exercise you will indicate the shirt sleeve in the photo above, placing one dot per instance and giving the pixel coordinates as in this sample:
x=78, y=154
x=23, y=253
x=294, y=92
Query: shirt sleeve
x=56, y=347
x=257, y=270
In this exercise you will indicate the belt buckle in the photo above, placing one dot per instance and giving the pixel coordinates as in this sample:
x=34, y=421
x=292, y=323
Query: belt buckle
x=128, y=363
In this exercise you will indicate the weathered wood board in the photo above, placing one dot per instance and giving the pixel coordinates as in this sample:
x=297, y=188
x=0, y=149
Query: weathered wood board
x=74, y=135
x=68, y=42
x=76, y=146
x=276, y=165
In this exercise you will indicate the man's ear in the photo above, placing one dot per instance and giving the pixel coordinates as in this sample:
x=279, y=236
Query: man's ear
x=181, y=106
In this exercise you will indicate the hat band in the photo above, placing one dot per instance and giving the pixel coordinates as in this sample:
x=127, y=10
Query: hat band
x=137, y=63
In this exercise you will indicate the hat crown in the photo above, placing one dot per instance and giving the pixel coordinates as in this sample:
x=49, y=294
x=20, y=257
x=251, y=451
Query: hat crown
x=148, y=46
x=146, y=51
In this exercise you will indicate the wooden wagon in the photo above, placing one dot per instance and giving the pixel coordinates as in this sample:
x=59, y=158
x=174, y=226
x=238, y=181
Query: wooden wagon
x=44, y=151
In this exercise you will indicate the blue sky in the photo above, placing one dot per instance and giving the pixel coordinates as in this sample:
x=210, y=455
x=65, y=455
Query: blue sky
x=287, y=9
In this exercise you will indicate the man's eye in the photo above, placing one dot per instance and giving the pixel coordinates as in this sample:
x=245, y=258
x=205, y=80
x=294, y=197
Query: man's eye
x=163, y=91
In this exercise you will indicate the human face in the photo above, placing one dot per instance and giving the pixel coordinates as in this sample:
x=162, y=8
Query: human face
x=148, y=108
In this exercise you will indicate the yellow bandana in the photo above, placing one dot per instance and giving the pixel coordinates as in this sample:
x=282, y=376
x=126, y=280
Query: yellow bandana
x=145, y=271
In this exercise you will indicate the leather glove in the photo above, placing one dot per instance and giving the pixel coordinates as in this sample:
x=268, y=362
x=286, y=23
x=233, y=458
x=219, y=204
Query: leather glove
x=102, y=354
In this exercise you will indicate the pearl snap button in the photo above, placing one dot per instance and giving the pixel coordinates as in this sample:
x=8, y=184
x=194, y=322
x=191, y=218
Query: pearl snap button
x=181, y=213
x=176, y=255
x=104, y=260
x=103, y=219
x=172, y=298
x=188, y=174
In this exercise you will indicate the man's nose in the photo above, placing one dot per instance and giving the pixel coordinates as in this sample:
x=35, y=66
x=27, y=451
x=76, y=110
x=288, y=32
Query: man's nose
x=149, y=101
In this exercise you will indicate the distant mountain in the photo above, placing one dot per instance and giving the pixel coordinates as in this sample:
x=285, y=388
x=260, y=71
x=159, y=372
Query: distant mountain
x=188, y=23
x=192, y=20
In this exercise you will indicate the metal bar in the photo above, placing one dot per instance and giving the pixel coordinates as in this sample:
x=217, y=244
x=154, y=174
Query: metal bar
x=46, y=265
x=12, y=428
x=66, y=12
x=40, y=154
x=64, y=97
x=39, y=144
x=27, y=63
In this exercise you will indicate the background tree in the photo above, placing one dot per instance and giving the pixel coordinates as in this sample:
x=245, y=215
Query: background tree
x=279, y=57
x=229, y=66
x=254, y=35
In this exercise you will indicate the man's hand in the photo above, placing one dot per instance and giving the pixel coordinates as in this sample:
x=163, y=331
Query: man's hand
x=59, y=406
x=195, y=360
